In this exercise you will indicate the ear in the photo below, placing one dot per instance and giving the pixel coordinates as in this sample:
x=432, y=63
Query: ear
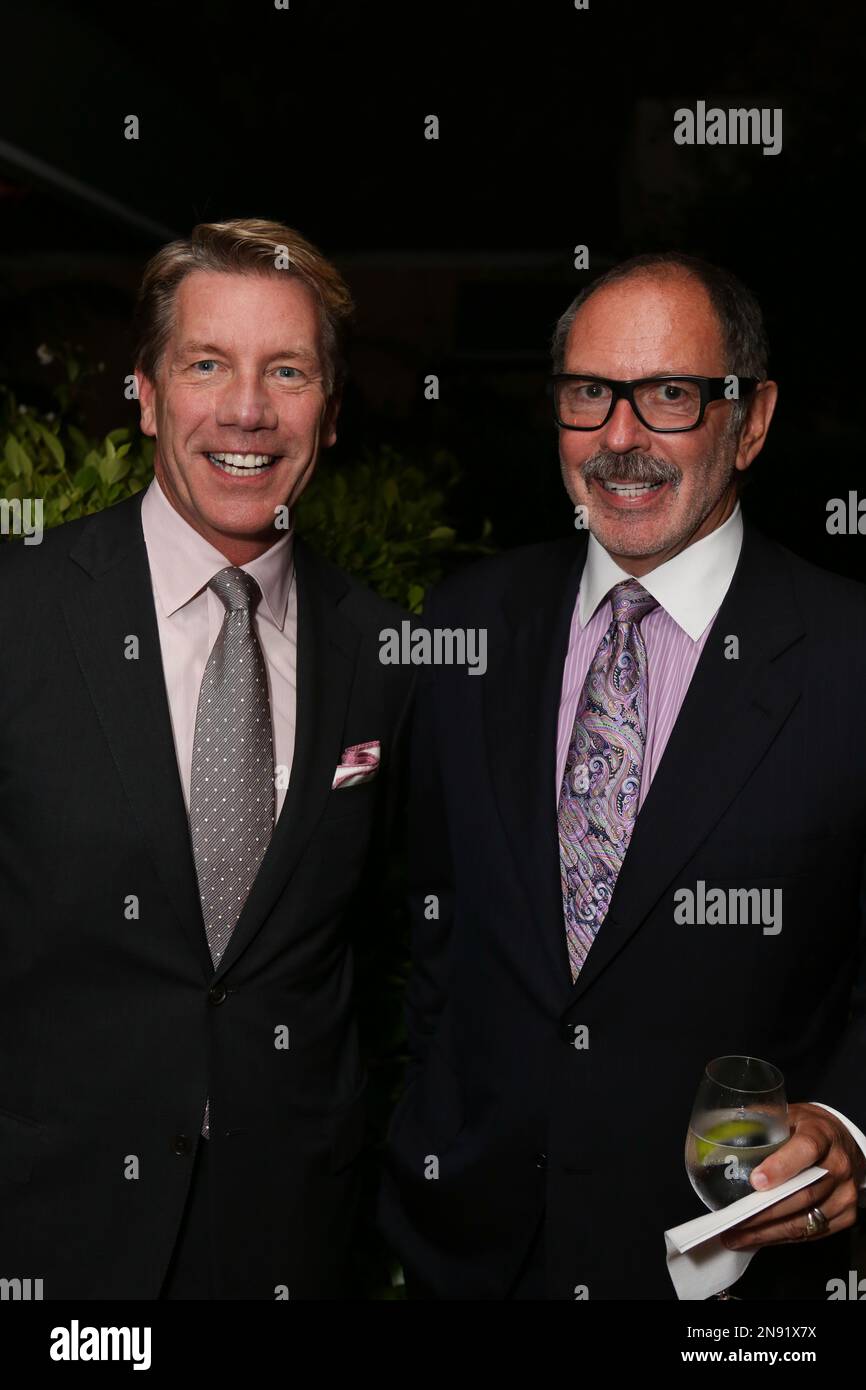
x=329, y=420
x=146, y=402
x=757, y=423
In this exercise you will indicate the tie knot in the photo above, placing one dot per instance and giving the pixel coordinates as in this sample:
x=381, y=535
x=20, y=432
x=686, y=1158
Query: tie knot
x=631, y=602
x=235, y=589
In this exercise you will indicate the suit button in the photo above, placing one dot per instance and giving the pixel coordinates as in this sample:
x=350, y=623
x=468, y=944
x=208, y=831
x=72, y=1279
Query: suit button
x=541, y=1160
x=217, y=994
x=181, y=1144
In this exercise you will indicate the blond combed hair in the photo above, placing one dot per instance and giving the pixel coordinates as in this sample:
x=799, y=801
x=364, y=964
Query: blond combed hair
x=244, y=246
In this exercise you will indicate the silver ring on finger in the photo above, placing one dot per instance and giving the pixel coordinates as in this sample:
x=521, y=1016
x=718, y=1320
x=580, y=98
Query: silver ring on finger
x=816, y=1222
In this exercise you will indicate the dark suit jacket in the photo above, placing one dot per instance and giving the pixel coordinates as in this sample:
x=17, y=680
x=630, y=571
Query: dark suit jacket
x=763, y=784
x=113, y=1030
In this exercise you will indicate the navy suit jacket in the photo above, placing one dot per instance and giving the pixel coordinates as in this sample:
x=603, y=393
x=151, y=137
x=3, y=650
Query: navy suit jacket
x=762, y=785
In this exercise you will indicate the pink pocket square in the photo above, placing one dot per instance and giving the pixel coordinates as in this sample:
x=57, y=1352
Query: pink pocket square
x=359, y=763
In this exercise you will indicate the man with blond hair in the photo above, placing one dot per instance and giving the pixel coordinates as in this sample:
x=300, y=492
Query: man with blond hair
x=181, y=1091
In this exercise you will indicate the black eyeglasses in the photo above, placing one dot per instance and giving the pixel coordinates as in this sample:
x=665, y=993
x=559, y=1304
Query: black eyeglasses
x=665, y=404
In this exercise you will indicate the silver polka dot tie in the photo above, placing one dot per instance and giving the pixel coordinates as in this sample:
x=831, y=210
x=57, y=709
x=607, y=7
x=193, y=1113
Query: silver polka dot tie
x=231, y=800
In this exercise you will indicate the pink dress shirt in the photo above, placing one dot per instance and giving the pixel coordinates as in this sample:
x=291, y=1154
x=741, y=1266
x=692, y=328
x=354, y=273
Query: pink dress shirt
x=189, y=617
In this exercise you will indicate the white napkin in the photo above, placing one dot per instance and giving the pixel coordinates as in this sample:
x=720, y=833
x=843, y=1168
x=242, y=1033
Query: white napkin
x=698, y=1263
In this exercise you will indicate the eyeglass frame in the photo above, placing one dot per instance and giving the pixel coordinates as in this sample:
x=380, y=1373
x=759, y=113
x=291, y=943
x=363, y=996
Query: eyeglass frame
x=712, y=389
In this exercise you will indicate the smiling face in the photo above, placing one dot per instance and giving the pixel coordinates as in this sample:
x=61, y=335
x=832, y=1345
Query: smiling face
x=238, y=408
x=660, y=325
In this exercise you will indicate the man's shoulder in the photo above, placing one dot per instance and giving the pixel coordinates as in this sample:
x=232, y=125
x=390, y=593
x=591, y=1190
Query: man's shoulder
x=360, y=604
x=823, y=596
x=44, y=564
x=482, y=585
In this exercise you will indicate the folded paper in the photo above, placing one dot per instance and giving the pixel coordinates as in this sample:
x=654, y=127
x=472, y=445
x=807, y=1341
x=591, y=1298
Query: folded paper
x=699, y=1265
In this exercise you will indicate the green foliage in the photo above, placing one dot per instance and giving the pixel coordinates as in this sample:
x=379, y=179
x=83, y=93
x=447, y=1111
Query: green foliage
x=44, y=456
x=382, y=517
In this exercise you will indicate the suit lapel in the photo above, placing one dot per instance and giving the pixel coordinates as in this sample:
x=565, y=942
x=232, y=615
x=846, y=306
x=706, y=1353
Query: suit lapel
x=108, y=601
x=327, y=656
x=732, y=712
x=522, y=692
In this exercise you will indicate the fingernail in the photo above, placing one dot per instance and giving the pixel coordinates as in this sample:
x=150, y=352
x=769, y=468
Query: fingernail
x=760, y=1180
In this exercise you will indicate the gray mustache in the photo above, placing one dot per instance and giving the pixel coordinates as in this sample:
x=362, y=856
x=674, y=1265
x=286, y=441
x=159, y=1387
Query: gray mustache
x=629, y=468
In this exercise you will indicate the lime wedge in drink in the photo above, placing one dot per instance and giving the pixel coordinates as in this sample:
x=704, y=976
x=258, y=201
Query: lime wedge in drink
x=724, y=1133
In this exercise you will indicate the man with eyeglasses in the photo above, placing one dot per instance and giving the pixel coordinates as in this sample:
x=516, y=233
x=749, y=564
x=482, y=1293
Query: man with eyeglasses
x=667, y=709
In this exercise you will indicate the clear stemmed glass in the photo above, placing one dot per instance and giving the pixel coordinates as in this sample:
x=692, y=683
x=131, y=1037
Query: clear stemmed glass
x=740, y=1117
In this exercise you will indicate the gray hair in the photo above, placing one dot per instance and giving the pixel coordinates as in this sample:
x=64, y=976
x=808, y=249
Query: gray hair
x=744, y=336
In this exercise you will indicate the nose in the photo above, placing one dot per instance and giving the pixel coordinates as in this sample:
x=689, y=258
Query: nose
x=244, y=403
x=624, y=431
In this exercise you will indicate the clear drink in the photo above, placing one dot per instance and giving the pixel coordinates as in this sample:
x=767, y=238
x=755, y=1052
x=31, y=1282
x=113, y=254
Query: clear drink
x=724, y=1146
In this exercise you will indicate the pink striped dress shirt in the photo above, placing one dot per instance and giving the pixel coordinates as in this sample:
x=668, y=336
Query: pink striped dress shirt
x=689, y=589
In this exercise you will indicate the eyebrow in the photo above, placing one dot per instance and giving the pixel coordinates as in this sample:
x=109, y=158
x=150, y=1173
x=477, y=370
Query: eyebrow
x=213, y=350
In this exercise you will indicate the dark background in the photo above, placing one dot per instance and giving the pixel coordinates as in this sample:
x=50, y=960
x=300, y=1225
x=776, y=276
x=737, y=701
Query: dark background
x=556, y=129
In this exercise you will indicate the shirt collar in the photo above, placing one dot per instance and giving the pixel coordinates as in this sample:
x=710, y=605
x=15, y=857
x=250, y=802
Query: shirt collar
x=182, y=563
x=689, y=587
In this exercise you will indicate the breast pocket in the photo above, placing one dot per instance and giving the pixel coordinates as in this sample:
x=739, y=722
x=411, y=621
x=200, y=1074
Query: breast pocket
x=346, y=802
x=783, y=856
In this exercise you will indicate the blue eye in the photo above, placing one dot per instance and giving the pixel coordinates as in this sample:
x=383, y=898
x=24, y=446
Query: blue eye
x=205, y=362
x=288, y=369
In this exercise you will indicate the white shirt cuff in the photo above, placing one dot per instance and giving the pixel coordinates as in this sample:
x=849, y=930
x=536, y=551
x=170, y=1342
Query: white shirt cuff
x=857, y=1134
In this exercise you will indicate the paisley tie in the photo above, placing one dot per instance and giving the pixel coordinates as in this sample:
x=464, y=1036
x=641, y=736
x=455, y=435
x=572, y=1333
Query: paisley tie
x=598, y=800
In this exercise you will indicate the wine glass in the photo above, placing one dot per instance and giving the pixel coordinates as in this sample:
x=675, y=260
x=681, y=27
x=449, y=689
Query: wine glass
x=740, y=1117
